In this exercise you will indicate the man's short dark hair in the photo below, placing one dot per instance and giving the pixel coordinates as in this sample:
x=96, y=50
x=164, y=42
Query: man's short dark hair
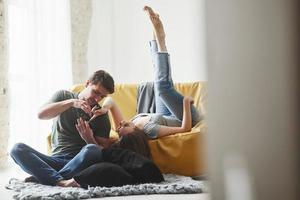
x=104, y=78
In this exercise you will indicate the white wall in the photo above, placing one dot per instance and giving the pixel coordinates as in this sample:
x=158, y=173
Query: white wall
x=120, y=32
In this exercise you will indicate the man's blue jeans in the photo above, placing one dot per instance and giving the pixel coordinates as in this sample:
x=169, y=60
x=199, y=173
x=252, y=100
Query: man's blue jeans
x=49, y=170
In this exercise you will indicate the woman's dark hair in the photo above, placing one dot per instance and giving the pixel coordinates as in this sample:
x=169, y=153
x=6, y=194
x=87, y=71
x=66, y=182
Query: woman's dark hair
x=105, y=79
x=136, y=141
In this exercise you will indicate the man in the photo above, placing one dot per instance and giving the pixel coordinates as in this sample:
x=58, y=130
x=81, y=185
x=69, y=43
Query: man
x=79, y=132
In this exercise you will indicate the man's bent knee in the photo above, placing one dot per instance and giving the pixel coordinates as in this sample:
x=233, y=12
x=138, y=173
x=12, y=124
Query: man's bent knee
x=91, y=152
x=18, y=148
x=92, y=148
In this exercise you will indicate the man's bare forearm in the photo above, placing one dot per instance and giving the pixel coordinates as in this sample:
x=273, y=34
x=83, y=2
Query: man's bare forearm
x=52, y=110
x=91, y=140
x=105, y=142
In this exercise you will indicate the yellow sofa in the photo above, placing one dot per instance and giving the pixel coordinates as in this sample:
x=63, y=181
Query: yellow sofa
x=182, y=153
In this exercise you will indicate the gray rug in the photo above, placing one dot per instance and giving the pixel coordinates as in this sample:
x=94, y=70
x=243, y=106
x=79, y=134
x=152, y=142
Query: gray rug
x=173, y=184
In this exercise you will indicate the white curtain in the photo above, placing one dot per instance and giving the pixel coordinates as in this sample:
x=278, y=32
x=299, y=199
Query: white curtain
x=39, y=64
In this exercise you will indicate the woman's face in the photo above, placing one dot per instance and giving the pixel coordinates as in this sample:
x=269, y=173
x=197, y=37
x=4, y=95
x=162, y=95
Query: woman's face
x=125, y=128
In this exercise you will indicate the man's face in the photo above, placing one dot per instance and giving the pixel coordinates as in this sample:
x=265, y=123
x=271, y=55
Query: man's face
x=93, y=93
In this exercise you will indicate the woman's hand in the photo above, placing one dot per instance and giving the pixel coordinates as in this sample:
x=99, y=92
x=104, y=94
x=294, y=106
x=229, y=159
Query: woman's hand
x=97, y=112
x=84, y=130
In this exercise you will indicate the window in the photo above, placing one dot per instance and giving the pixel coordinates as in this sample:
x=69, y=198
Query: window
x=39, y=64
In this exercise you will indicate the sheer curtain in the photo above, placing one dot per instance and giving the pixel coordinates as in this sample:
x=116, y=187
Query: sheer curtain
x=39, y=64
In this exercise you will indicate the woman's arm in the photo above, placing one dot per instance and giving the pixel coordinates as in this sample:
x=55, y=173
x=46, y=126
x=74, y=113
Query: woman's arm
x=186, y=125
x=187, y=116
x=109, y=104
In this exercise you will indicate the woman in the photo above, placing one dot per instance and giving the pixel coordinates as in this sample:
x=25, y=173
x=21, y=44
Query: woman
x=174, y=113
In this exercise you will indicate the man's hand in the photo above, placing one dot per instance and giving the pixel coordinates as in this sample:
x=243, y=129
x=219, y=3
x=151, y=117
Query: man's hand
x=96, y=112
x=78, y=103
x=85, y=131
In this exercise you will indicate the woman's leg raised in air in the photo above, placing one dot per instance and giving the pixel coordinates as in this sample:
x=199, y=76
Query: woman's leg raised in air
x=165, y=94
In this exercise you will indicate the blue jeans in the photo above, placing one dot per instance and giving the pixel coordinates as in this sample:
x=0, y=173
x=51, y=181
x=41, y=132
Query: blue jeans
x=167, y=100
x=49, y=170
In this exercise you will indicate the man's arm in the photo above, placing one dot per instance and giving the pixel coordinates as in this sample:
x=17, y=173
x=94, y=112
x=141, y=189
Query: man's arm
x=85, y=131
x=105, y=142
x=52, y=110
x=87, y=135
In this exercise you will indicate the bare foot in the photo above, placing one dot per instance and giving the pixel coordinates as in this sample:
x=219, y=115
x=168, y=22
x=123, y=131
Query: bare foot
x=68, y=183
x=157, y=28
x=31, y=179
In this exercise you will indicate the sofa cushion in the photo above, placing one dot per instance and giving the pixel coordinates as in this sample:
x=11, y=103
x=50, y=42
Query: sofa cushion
x=104, y=175
x=182, y=153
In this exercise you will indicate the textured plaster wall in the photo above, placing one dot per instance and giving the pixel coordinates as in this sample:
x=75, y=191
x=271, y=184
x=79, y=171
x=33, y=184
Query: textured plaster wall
x=4, y=96
x=81, y=12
